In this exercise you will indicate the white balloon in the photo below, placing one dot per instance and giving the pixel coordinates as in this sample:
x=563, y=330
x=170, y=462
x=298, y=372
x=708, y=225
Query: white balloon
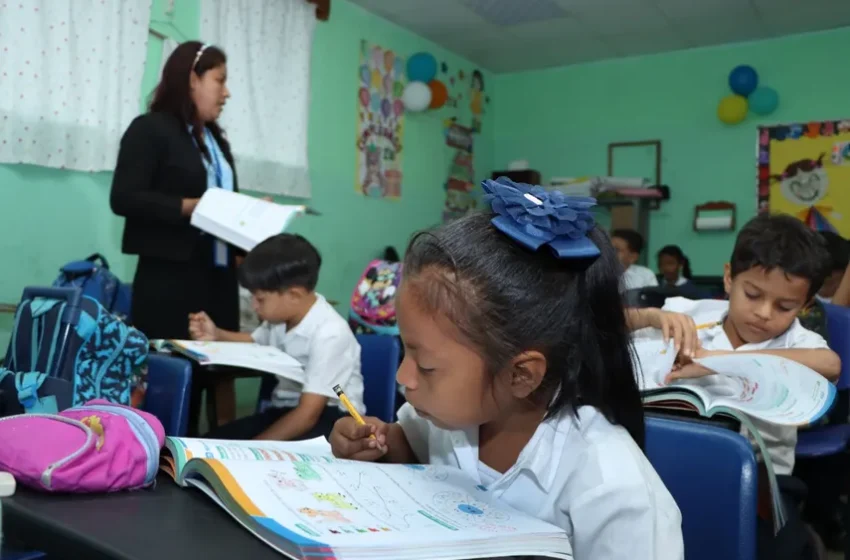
x=416, y=97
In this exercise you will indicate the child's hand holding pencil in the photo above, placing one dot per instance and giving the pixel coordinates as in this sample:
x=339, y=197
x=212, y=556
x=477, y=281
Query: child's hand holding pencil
x=357, y=438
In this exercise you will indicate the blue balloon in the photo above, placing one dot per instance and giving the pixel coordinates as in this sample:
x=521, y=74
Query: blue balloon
x=421, y=67
x=376, y=102
x=764, y=101
x=743, y=80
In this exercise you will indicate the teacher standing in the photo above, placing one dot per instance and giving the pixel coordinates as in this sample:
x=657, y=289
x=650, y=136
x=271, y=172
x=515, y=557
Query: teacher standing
x=168, y=157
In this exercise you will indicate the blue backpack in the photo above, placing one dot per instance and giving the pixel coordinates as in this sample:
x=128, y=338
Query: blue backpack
x=67, y=349
x=93, y=276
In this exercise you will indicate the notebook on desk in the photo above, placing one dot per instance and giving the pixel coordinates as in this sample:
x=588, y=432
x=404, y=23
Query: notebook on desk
x=300, y=500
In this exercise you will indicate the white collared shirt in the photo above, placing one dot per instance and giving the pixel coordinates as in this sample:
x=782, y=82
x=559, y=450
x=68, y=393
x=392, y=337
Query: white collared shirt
x=780, y=441
x=324, y=344
x=637, y=276
x=582, y=474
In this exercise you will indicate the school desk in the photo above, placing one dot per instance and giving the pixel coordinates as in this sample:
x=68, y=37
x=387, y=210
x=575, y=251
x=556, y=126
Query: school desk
x=158, y=524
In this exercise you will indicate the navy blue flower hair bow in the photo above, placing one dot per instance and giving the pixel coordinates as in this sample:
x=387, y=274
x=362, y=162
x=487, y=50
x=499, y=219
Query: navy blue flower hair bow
x=533, y=216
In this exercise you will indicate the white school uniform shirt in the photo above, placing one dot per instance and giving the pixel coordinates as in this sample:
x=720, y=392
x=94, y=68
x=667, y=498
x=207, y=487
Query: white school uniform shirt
x=780, y=441
x=582, y=474
x=325, y=346
x=637, y=276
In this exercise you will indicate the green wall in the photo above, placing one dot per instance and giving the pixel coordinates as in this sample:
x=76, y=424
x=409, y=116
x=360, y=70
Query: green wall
x=51, y=216
x=562, y=120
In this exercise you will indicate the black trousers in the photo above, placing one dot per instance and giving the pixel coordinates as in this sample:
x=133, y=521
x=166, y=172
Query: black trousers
x=250, y=427
x=165, y=292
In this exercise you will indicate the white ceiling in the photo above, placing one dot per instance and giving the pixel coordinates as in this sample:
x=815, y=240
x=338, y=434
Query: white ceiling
x=515, y=35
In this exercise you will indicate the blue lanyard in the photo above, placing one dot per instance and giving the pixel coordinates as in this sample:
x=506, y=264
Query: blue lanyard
x=212, y=148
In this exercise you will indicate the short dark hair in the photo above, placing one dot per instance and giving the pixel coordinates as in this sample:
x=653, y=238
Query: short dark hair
x=781, y=241
x=280, y=262
x=505, y=299
x=676, y=252
x=634, y=240
x=838, y=249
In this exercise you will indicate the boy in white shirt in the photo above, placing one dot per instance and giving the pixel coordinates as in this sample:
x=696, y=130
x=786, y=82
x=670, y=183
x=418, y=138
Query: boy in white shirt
x=281, y=273
x=629, y=245
x=777, y=267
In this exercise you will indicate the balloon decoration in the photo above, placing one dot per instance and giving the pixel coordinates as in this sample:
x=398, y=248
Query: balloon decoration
x=743, y=80
x=746, y=96
x=764, y=101
x=421, y=67
x=732, y=109
x=416, y=97
x=439, y=94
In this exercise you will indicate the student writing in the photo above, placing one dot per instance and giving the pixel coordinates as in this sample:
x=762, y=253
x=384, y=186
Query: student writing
x=281, y=273
x=517, y=370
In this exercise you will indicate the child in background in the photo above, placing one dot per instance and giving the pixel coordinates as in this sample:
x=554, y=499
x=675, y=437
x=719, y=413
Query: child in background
x=629, y=245
x=673, y=266
x=281, y=273
x=813, y=316
x=839, y=258
x=776, y=268
x=518, y=371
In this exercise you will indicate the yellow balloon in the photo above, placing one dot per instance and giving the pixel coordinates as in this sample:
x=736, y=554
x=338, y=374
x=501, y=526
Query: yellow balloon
x=732, y=109
x=376, y=79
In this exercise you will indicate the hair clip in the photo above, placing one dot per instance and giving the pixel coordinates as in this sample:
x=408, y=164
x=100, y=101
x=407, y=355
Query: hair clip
x=533, y=216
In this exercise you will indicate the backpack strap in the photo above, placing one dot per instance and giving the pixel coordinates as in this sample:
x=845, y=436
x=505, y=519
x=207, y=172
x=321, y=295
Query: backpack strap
x=36, y=308
x=28, y=385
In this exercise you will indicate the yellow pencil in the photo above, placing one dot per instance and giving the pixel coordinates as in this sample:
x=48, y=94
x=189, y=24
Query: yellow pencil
x=350, y=407
x=708, y=325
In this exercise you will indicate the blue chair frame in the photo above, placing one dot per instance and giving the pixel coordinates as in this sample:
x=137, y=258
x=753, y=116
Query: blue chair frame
x=169, y=391
x=713, y=476
x=379, y=359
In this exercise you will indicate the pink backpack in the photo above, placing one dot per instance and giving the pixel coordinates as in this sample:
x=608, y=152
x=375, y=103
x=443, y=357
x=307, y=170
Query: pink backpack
x=97, y=447
x=373, y=300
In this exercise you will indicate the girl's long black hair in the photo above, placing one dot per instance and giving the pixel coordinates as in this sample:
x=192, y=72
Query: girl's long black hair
x=505, y=299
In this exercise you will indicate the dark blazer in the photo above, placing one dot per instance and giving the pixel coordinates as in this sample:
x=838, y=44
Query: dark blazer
x=158, y=166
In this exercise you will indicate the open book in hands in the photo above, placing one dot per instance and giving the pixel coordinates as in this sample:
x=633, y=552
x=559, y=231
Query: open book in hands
x=766, y=387
x=245, y=355
x=242, y=220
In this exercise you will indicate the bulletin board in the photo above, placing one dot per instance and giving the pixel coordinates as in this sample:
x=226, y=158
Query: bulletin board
x=804, y=170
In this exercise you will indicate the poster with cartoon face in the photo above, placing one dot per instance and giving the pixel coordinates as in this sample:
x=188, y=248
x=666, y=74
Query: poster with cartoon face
x=800, y=174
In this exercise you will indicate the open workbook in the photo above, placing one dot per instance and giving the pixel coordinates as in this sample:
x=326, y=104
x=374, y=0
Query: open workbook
x=747, y=387
x=246, y=355
x=769, y=388
x=242, y=220
x=300, y=500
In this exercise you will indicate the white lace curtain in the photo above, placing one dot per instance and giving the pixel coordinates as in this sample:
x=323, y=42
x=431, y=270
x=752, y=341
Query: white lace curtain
x=268, y=45
x=70, y=79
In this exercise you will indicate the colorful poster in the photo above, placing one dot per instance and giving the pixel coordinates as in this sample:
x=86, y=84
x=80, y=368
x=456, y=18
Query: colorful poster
x=460, y=184
x=380, y=122
x=804, y=170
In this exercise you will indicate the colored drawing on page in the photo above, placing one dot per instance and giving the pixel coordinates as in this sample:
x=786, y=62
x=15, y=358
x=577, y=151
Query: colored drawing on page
x=306, y=472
